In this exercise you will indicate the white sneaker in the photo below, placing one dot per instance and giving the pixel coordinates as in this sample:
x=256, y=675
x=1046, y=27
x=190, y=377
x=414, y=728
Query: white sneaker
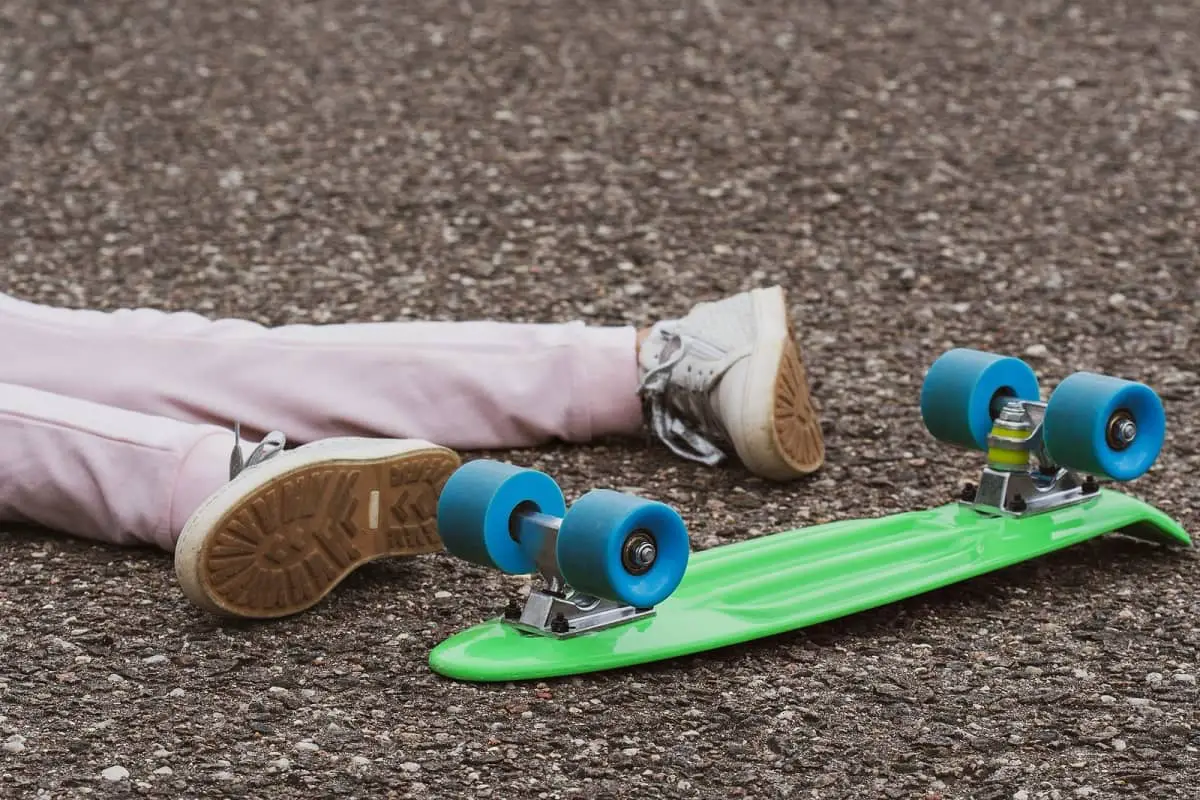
x=291, y=524
x=728, y=377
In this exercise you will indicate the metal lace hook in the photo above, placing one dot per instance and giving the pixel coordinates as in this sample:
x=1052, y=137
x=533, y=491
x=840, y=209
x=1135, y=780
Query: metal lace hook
x=236, y=461
x=272, y=443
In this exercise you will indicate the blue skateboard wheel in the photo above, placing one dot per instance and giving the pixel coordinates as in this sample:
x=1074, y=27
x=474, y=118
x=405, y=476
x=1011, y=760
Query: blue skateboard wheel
x=602, y=545
x=1086, y=417
x=476, y=507
x=959, y=391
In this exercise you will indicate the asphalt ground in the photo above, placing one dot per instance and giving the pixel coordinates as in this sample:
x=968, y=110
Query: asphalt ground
x=1014, y=176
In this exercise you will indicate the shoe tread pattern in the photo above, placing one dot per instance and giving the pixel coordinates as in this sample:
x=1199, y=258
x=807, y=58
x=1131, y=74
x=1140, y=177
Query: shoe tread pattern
x=289, y=543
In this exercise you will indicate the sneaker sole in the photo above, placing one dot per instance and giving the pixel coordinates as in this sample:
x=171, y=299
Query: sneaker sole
x=783, y=438
x=276, y=540
x=798, y=437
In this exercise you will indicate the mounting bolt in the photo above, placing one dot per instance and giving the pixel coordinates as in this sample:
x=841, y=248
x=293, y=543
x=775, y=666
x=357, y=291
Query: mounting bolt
x=559, y=624
x=1090, y=486
x=968, y=492
x=513, y=611
x=1018, y=503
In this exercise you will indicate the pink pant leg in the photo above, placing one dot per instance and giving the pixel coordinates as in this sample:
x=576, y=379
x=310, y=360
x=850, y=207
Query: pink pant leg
x=466, y=385
x=104, y=473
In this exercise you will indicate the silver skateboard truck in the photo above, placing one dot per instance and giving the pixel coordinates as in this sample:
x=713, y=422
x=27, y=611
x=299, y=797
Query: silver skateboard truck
x=556, y=609
x=1021, y=479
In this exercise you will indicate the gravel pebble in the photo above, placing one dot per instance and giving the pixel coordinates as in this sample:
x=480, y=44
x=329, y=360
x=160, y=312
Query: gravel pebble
x=115, y=773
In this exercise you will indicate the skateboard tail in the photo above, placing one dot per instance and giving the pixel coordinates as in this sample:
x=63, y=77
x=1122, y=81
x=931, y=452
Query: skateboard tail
x=773, y=584
x=1157, y=528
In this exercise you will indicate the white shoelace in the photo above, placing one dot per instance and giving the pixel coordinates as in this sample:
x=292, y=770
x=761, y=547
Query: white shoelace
x=682, y=416
x=271, y=445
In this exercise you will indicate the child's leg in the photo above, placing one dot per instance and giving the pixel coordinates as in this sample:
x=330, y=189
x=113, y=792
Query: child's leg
x=469, y=385
x=726, y=379
x=104, y=473
x=271, y=541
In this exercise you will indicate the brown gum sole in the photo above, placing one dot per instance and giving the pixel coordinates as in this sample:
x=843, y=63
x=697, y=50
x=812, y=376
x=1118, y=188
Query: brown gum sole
x=284, y=547
x=796, y=425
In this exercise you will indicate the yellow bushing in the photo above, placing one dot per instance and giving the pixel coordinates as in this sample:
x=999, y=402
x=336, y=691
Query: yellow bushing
x=1011, y=459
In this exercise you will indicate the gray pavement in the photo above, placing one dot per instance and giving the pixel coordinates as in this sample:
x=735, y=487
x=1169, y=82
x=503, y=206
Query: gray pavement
x=1017, y=176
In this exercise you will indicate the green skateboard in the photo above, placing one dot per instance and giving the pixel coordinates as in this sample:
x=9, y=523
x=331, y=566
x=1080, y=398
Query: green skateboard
x=621, y=587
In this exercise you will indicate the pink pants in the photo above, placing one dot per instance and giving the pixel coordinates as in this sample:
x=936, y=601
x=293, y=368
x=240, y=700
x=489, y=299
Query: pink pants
x=116, y=426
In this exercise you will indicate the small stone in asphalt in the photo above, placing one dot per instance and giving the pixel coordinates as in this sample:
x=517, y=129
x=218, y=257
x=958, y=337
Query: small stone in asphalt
x=115, y=773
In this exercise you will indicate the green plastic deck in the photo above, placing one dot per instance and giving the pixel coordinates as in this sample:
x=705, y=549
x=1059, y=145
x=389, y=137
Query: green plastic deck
x=790, y=580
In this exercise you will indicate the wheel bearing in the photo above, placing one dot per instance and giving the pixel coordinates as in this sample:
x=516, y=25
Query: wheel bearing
x=1121, y=430
x=639, y=552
